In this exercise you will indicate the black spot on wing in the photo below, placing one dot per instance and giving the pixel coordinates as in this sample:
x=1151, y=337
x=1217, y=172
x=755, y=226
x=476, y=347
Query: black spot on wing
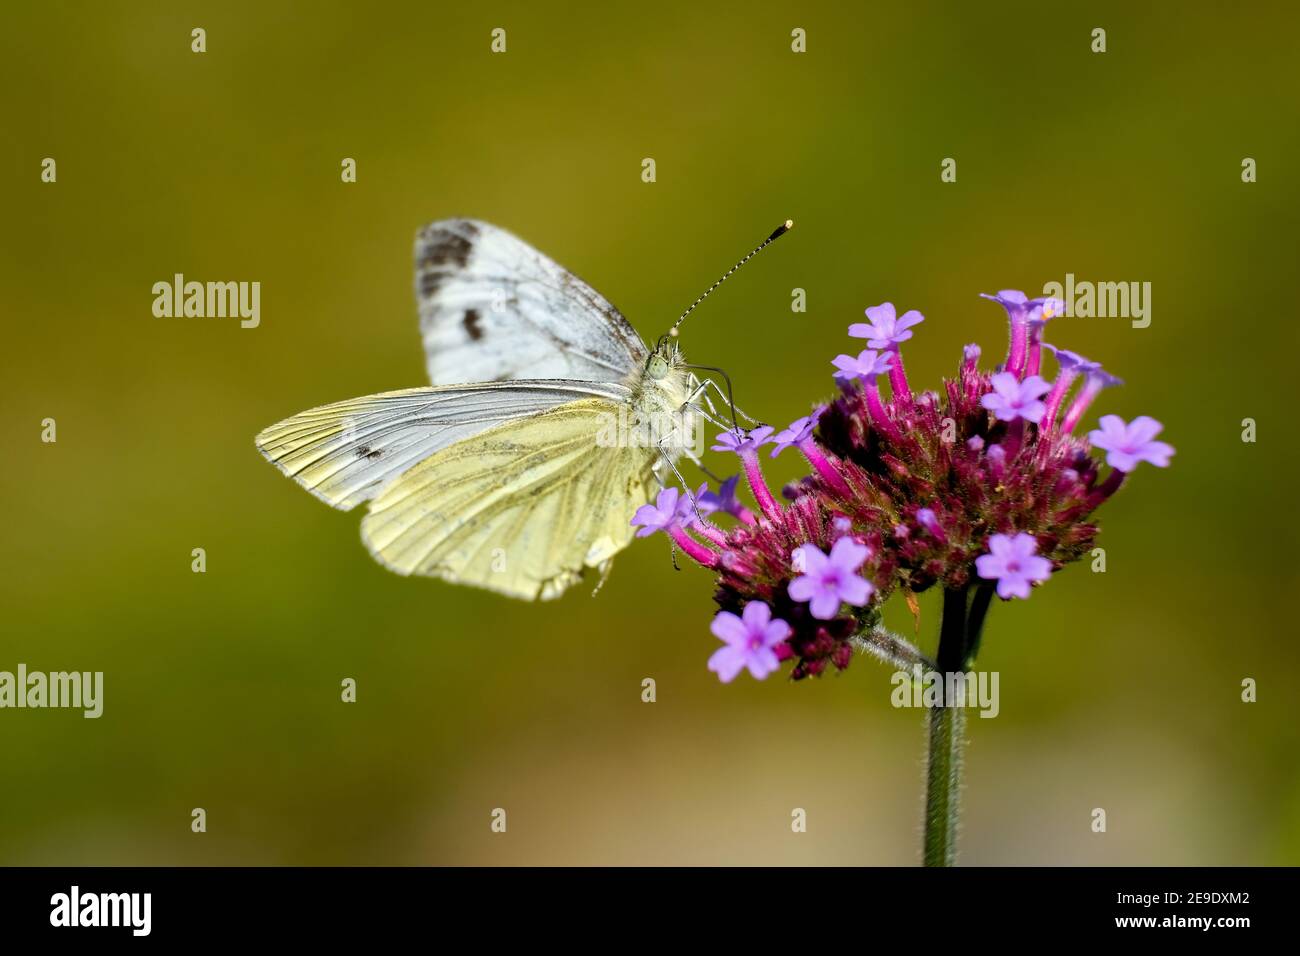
x=365, y=451
x=444, y=249
x=429, y=283
x=473, y=324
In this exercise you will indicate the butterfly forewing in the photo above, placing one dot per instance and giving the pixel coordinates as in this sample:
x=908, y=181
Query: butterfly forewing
x=493, y=308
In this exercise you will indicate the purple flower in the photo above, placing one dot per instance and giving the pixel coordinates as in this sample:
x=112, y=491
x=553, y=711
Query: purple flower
x=800, y=431
x=867, y=365
x=742, y=442
x=1072, y=361
x=1012, y=398
x=826, y=582
x=1014, y=563
x=928, y=520
x=724, y=499
x=1050, y=307
x=749, y=641
x=885, y=329
x=1094, y=381
x=1022, y=312
x=1126, y=445
x=1013, y=300
x=1022, y=308
x=670, y=509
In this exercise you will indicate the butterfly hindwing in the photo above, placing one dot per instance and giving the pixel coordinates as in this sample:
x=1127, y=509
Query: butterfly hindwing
x=522, y=508
x=346, y=452
x=493, y=308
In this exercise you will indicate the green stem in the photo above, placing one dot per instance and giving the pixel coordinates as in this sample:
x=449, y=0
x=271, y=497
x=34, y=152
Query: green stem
x=943, y=765
x=959, y=638
x=979, y=608
x=943, y=784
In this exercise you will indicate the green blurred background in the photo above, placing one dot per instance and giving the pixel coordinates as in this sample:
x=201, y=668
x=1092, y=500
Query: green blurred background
x=1119, y=690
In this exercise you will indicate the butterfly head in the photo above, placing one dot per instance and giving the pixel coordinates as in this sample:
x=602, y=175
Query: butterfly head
x=663, y=359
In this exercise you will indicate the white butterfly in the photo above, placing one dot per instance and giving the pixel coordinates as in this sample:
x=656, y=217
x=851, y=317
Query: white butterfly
x=515, y=483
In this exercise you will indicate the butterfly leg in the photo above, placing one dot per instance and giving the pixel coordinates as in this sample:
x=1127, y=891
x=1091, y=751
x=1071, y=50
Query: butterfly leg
x=726, y=396
x=681, y=480
x=708, y=411
x=604, y=567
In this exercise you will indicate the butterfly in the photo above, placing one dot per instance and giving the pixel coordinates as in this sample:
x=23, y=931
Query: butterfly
x=547, y=424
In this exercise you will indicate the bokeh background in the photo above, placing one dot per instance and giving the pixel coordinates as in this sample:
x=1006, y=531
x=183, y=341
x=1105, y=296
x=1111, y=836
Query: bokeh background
x=1119, y=690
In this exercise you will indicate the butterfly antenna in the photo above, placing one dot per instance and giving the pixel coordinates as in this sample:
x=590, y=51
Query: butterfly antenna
x=776, y=234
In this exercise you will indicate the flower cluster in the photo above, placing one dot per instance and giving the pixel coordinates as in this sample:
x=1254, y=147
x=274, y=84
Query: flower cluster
x=984, y=484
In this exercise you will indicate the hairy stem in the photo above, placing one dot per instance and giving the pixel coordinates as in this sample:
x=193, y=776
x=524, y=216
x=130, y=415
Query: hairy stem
x=959, y=635
x=943, y=784
x=892, y=649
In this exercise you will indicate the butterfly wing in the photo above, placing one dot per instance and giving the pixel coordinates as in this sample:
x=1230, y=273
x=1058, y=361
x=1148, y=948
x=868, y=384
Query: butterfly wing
x=521, y=508
x=345, y=453
x=493, y=309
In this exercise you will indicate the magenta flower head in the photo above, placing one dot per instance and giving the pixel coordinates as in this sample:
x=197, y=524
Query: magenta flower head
x=866, y=366
x=750, y=642
x=829, y=581
x=1127, y=445
x=883, y=328
x=975, y=488
x=1012, y=398
x=1014, y=563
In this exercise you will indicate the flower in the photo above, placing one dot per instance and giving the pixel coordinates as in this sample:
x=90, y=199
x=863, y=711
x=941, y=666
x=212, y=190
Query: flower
x=1013, y=300
x=1051, y=307
x=1024, y=314
x=749, y=642
x=1127, y=445
x=945, y=489
x=918, y=492
x=724, y=499
x=1095, y=380
x=829, y=581
x=884, y=329
x=1014, y=563
x=742, y=442
x=671, y=509
x=1072, y=361
x=868, y=364
x=1012, y=398
x=800, y=431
